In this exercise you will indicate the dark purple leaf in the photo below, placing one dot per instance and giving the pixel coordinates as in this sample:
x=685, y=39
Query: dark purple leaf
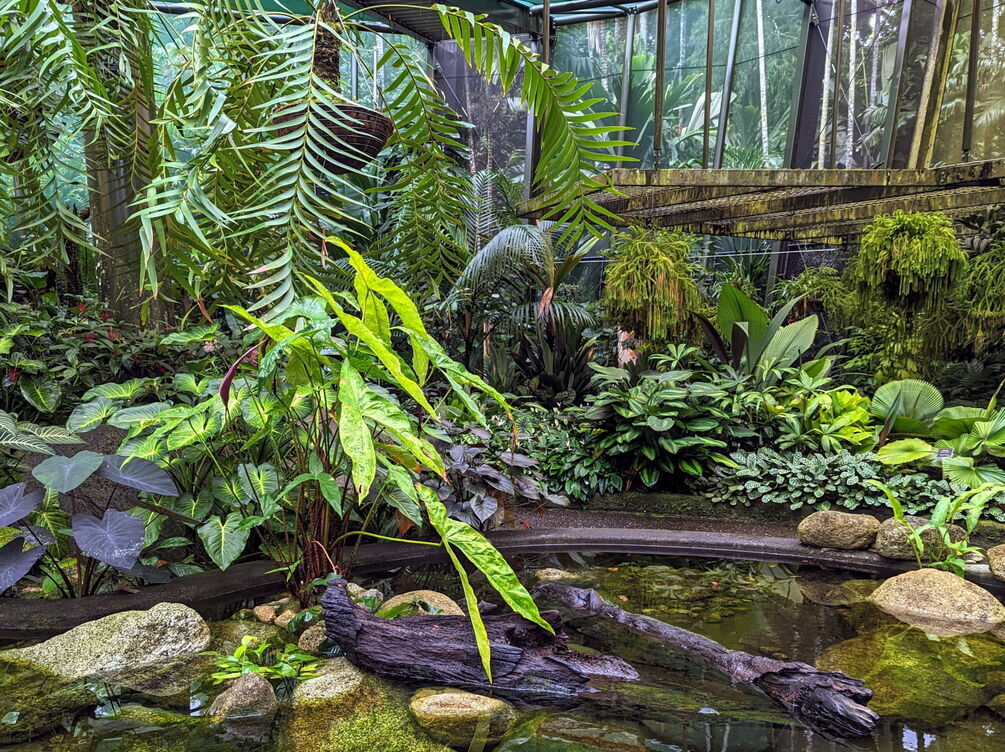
x=557, y=499
x=15, y=504
x=64, y=474
x=143, y=475
x=480, y=433
x=36, y=534
x=527, y=487
x=517, y=460
x=150, y=574
x=15, y=562
x=116, y=539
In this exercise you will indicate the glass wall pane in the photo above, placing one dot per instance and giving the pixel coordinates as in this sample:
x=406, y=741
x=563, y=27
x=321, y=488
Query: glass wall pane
x=760, y=110
x=863, y=69
x=989, y=110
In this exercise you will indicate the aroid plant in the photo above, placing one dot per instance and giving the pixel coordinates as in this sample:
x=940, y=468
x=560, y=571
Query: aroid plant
x=80, y=560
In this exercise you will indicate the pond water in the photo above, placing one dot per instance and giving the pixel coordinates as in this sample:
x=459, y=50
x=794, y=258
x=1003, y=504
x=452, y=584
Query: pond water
x=933, y=694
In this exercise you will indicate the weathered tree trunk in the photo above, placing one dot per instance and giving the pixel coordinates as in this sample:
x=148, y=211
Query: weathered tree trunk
x=531, y=665
x=827, y=701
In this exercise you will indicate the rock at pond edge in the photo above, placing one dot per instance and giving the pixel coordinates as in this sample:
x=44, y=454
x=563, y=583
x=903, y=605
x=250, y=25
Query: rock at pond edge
x=458, y=718
x=842, y=530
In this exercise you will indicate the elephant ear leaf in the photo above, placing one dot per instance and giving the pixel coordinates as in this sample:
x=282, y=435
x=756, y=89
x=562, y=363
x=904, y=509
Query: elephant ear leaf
x=15, y=504
x=15, y=562
x=116, y=539
x=224, y=539
x=64, y=474
x=143, y=475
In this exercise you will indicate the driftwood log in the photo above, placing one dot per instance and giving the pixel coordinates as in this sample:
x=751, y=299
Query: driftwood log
x=531, y=665
x=829, y=702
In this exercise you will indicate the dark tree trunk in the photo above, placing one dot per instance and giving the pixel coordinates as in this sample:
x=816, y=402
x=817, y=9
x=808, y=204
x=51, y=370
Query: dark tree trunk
x=531, y=665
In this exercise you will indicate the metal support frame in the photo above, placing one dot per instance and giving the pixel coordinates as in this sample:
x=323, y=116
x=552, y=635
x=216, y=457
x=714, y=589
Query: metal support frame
x=626, y=76
x=546, y=32
x=709, y=55
x=660, y=85
x=837, y=58
x=896, y=92
x=971, y=101
x=727, y=85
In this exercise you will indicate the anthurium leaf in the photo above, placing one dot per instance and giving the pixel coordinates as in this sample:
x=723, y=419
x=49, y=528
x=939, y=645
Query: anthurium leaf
x=15, y=504
x=224, y=539
x=89, y=415
x=116, y=539
x=64, y=474
x=41, y=392
x=15, y=562
x=143, y=475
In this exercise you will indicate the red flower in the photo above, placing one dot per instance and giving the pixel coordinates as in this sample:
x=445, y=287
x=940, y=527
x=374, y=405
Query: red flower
x=105, y=315
x=12, y=375
x=112, y=334
x=81, y=308
x=91, y=338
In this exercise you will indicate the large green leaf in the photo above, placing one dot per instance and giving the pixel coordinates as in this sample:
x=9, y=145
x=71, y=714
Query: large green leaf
x=736, y=307
x=64, y=474
x=127, y=390
x=140, y=416
x=906, y=398
x=257, y=482
x=480, y=552
x=354, y=434
x=89, y=415
x=198, y=427
x=224, y=539
x=904, y=451
x=963, y=470
x=50, y=434
x=789, y=343
x=956, y=421
x=41, y=392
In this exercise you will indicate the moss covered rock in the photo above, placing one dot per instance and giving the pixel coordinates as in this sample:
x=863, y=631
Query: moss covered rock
x=458, y=718
x=561, y=733
x=148, y=651
x=833, y=529
x=247, y=707
x=939, y=603
x=34, y=700
x=893, y=541
x=913, y=676
x=442, y=603
x=345, y=710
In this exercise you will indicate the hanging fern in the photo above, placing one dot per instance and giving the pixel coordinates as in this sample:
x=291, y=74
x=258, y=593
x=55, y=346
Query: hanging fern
x=650, y=286
x=982, y=293
x=910, y=259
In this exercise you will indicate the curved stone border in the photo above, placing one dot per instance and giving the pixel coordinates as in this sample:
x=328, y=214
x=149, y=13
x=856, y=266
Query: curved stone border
x=23, y=619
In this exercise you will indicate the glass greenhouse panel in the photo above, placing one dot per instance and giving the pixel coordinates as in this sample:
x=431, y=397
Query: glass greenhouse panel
x=989, y=104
